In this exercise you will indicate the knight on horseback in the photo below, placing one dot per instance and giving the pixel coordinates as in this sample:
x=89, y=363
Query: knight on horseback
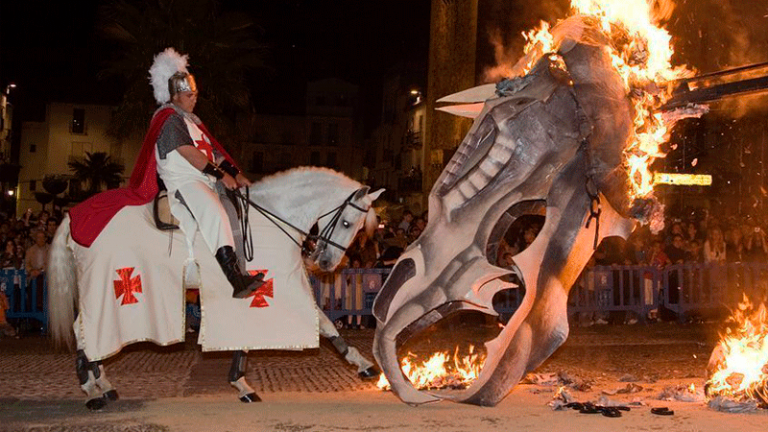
x=187, y=164
x=181, y=151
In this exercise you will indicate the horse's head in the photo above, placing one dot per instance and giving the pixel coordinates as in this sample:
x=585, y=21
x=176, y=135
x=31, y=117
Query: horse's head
x=548, y=143
x=338, y=227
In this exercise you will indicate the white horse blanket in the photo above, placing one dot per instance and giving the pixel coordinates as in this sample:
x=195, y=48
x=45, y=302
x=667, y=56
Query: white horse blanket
x=130, y=290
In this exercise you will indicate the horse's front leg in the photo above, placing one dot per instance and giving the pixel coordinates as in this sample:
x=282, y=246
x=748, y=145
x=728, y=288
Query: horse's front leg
x=365, y=369
x=237, y=378
x=94, y=382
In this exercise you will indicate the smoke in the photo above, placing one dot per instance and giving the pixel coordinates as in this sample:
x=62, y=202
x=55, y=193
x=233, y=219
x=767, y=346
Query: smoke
x=503, y=23
x=712, y=35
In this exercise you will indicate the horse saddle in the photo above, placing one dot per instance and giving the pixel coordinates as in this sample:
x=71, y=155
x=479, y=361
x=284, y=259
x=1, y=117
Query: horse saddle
x=161, y=209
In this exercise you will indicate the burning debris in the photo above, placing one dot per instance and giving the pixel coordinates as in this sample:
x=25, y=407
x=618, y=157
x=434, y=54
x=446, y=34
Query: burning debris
x=440, y=371
x=738, y=367
x=682, y=393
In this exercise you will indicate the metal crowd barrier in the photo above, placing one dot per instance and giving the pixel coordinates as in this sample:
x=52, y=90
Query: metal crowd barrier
x=27, y=299
x=685, y=290
x=348, y=293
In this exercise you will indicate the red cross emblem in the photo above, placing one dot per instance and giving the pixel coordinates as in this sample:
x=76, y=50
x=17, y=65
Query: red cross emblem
x=205, y=147
x=266, y=290
x=126, y=286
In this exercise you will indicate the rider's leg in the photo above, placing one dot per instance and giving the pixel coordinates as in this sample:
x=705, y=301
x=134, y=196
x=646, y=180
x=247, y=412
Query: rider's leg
x=216, y=231
x=234, y=222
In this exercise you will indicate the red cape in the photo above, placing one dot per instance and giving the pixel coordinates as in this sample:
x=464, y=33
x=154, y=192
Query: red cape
x=89, y=218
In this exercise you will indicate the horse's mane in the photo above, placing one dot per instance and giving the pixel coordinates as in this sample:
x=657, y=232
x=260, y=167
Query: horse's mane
x=279, y=177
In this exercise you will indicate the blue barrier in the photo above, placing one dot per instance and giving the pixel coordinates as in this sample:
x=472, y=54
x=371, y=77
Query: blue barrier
x=684, y=289
x=349, y=292
x=616, y=289
x=28, y=299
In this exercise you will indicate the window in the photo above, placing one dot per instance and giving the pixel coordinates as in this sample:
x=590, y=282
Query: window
x=314, y=158
x=331, y=160
x=78, y=121
x=333, y=134
x=315, y=135
x=32, y=185
x=320, y=101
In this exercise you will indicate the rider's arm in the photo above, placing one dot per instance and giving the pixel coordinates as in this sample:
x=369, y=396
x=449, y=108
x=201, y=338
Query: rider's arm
x=200, y=161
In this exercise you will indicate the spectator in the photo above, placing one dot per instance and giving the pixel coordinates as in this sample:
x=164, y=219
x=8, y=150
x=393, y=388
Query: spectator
x=692, y=232
x=389, y=257
x=420, y=223
x=366, y=249
x=5, y=328
x=694, y=253
x=35, y=262
x=405, y=224
x=400, y=239
x=413, y=233
x=755, y=248
x=734, y=245
x=9, y=259
x=658, y=257
x=676, y=251
x=50, y=229
x=714, y=247
x=640, y=250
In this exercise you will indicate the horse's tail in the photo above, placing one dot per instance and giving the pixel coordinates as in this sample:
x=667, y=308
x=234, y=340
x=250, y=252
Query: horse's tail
x=62, y=288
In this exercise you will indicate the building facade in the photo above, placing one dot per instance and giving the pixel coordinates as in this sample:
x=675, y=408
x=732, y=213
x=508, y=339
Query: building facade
x=68, y=132
x=328, y=135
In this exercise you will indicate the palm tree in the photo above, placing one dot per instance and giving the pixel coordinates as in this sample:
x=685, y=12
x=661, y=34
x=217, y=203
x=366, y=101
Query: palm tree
x=97, y=169
x=222, y=47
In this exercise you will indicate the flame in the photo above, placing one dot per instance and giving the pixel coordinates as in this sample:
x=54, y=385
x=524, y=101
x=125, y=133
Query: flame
x=742, y=370
x=441, y=370
x=640, y=51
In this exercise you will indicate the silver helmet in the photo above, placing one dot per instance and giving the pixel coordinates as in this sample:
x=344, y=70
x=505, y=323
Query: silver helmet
x=181, y=82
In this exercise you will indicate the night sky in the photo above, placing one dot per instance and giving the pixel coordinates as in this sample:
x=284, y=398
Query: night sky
x=51, y=50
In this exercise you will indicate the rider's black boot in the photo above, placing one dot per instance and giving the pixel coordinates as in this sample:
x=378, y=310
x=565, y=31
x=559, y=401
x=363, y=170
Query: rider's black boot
x=242, y=283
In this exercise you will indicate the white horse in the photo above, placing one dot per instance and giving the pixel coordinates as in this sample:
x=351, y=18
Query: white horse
x=127, y=286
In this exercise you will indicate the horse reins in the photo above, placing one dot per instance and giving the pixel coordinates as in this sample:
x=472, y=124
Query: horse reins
x=324, y=235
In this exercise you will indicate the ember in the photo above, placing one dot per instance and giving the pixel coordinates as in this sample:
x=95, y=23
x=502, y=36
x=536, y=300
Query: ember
x=440, y=371
x=739, y=363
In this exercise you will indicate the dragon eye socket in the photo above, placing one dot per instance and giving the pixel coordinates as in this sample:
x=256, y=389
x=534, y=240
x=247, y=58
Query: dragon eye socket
x=345, y=224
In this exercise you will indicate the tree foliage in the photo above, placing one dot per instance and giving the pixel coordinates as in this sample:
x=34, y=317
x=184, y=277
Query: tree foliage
x=222, y=48
x=97, y=169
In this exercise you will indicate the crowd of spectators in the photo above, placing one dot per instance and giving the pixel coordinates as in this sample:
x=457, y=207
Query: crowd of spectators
x=25, y=243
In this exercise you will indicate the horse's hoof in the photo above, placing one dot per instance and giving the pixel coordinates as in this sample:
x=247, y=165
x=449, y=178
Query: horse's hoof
x=371, y=373
x=111, y=395
x=96, y=404
x=250, y=397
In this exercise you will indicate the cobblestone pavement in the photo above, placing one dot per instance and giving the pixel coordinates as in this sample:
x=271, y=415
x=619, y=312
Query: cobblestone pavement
x=39, y=390
x=31, y=370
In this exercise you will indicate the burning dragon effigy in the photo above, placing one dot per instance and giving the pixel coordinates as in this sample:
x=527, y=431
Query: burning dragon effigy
x=571, y=134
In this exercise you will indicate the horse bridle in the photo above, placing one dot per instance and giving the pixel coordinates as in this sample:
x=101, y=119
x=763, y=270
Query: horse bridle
x=324, y=236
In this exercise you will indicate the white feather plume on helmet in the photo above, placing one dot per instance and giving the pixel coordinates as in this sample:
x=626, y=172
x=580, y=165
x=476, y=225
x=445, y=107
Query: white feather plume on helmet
x=166, y=64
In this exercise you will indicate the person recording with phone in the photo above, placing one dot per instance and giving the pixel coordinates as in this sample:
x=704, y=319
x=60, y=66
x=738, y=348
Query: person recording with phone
x=755, y=247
